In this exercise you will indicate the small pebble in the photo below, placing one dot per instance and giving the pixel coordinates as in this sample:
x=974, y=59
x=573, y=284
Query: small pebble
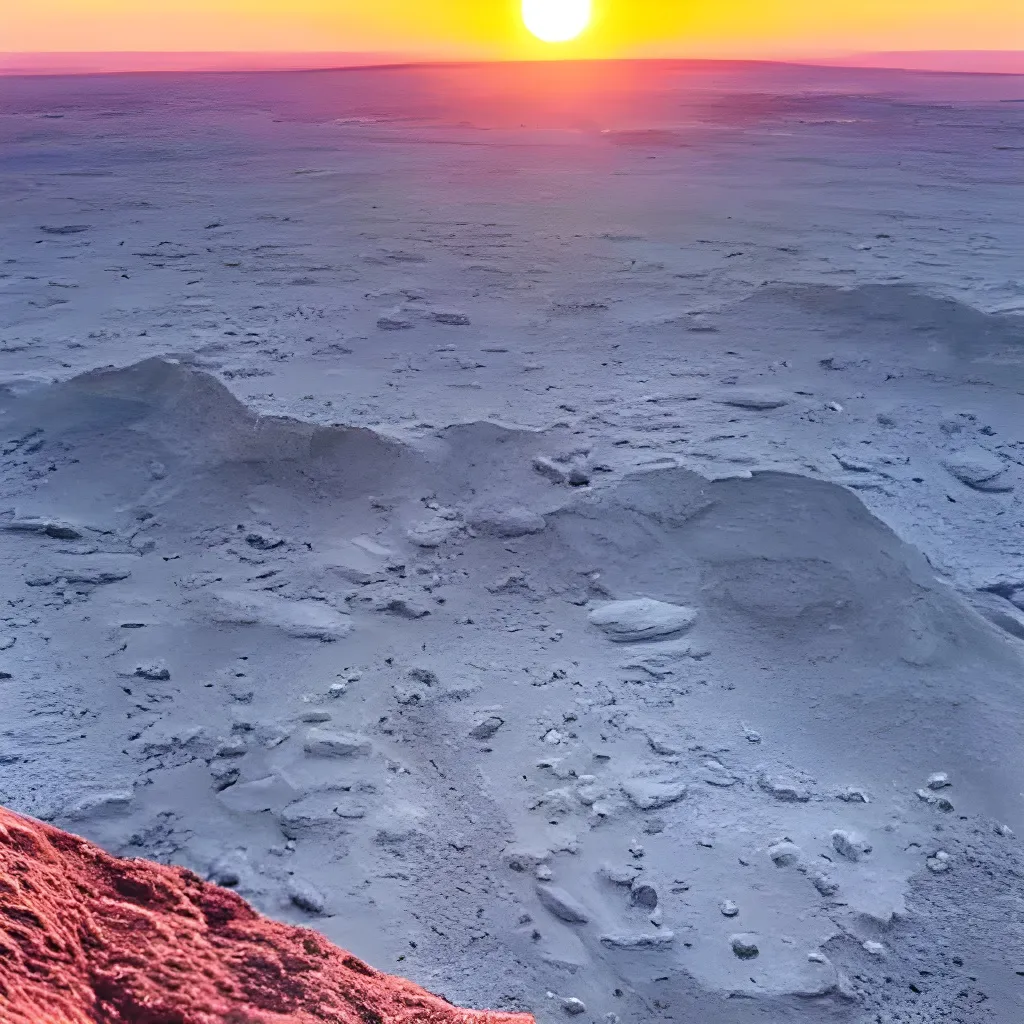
x=729, y=908
x=574, y=1006
x=939, y=863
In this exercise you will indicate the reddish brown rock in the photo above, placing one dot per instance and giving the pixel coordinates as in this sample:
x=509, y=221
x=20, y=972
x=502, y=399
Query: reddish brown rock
x=87, y=938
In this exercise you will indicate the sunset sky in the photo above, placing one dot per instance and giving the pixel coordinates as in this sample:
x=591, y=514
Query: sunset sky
x=494, y=29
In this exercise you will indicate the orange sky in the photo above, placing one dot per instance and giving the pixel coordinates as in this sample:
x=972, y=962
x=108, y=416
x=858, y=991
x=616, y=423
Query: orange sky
x=492, y=28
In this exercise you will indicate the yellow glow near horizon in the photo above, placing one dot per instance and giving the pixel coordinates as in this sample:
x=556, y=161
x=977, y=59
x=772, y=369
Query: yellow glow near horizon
x=556, y=21
x=496, y=30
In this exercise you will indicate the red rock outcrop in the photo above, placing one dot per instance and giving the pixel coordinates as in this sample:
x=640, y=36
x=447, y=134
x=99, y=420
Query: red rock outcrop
x=87, y=938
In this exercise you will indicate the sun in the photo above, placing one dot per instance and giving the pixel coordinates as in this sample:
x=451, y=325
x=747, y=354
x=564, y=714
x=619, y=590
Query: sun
x=556, y=21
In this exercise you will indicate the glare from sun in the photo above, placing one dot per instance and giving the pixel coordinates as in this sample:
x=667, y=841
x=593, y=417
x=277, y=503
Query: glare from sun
x=556, y=21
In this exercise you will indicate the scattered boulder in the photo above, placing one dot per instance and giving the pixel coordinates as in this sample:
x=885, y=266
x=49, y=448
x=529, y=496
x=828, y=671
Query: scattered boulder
x=230, y=869
x=560, y=903
x=509, y=522
x=979, y=469
x=450, y=319
x=310, y=620
x=322, y=743
x=306, y=896
x=645, y=896
x=641, y=619
x=99, y=805
x=755, y=400
x=58, y=529
x=432, y=533
x=785, y=854
x=784, y=789
x=156, y=671
x=850, y=845
x=554, y=471
x=638, y=940
x=651, y=794
x=487, y=728
x=745, y=946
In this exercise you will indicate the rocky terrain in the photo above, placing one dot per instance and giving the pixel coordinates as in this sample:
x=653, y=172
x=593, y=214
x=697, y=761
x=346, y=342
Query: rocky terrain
x=522, y=543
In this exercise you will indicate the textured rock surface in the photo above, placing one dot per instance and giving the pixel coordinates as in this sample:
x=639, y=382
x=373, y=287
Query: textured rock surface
x=86, y=937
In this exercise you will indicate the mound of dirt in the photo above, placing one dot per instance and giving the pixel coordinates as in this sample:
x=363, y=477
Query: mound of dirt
x=86, y=937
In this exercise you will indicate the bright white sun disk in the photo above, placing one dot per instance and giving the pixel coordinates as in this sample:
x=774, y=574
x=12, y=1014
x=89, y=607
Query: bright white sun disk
x=556, y=21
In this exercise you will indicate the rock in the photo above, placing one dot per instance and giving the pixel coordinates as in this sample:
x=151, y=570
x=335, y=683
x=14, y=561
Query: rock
x=638, y=940
x=874, y=948
x=263, y=541
x=850, y=845
x=315, y=717
x=939, y=863
x=565, y=907
x=393, y=323
x=574, y=1006
x=941, y=802
x=306, y=896
x=624, y=874
x=99, y=805
x=744, y=946
x=650, y=794
x=308, y=620
x=58, y=529
x=641, y=619
x=784, y=789
x=336, y=690
x=360, y=561
x=645, y=896
x=853, y=795
x=578, y=476
x=938, y=780
x=749, y=398
x=322, y=743
x=179, y=948
x=823, y=882
x=509, y=522
x=487, y=728
x=154, y=670
x=554, y=471
x=785, y=854
x=230, y=869
x=270, y=793
x=395, y=602
x=729, y=908
x=979, y=469
x=450, y=319
x=432, y=533
x=94, y=577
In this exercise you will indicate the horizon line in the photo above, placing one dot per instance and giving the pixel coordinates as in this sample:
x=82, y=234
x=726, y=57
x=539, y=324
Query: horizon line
x=28, y=63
